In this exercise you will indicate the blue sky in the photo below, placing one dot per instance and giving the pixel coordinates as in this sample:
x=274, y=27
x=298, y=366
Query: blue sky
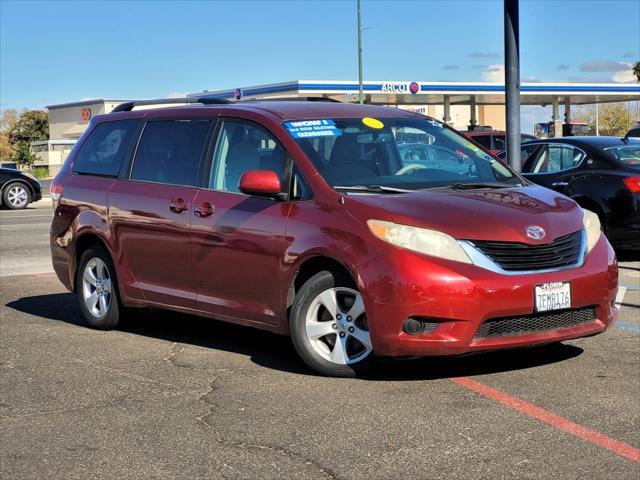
x=54, y=51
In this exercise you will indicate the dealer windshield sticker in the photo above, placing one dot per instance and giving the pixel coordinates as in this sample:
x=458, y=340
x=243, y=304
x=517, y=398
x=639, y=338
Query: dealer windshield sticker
x=435, y=123
x=373, y=123
x=312, y=128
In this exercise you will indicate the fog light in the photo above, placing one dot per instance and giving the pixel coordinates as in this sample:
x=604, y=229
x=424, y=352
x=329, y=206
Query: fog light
x=417, y=325
x=413, y=326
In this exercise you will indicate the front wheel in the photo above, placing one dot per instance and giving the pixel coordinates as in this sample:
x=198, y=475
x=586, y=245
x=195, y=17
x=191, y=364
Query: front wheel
x=16, y=196
x=329, y=326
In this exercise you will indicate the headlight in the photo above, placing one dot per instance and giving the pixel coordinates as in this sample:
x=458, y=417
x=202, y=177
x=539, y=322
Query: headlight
x=591, y=224
x=422, y=240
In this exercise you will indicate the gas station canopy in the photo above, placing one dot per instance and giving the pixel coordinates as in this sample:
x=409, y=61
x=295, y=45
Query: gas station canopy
x=424, y=93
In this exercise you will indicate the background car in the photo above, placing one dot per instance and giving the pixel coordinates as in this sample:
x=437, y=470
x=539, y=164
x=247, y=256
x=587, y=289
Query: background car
x=601, y=174
x=18, y=189
x=494, y=141
x=432, y=156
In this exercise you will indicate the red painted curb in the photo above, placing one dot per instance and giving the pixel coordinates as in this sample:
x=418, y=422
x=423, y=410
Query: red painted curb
x=531, y=410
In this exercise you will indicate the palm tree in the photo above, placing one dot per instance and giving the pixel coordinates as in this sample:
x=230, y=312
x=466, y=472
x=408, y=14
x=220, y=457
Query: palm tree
x=636, y=70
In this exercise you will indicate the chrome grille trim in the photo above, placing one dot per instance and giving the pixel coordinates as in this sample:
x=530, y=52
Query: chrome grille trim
x=482, y=260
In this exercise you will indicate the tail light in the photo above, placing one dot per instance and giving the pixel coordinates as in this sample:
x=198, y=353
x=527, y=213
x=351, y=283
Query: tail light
x=633, y=184
x=55, y=192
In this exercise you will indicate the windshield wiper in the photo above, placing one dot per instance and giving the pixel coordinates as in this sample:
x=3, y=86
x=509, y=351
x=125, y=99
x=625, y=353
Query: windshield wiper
x=371, y=189
x=473, y=186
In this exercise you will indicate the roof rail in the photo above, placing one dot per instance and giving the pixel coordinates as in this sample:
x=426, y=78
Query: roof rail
x=292, y=99
x=128, y=106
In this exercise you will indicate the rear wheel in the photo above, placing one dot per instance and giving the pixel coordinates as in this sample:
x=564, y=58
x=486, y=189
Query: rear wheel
x=16, y=196
x=329, y=326
x=96, y=286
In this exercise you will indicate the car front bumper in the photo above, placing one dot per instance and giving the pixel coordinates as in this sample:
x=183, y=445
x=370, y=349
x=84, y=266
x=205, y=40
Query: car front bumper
x=459, y=298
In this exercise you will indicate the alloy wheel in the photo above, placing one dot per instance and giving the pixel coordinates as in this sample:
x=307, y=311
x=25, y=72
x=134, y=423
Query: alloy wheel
x=96, y=287
x=17, y=196
x=336, y=326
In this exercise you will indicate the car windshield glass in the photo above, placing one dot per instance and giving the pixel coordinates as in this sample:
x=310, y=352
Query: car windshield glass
x=627, y=154
x=402, y=153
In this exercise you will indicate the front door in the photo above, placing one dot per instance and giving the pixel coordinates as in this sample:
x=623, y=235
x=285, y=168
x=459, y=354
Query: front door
x=238, y=241
x=151, y=211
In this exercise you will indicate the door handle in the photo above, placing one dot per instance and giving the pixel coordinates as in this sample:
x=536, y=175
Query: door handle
x=178, y=205
x=204, y=210
x=559, y=184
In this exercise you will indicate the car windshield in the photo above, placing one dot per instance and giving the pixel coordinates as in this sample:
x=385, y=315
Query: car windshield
x=627, y=154
x=397, y=153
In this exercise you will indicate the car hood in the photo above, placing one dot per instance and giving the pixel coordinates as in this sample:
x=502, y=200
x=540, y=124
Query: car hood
x=498, y=214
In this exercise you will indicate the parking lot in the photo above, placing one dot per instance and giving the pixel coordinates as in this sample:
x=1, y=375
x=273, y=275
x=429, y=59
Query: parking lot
x=169, y=395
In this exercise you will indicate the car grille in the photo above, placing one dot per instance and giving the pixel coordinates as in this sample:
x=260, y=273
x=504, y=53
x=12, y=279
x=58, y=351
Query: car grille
x=512, y=256
x=539, y=322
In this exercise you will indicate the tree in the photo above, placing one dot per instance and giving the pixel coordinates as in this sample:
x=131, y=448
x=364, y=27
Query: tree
x=6, y=149
x=20, y=130
x=614, y=119
x=22, y=155
x=636, y=70
x=8, y=120
x=32, y=125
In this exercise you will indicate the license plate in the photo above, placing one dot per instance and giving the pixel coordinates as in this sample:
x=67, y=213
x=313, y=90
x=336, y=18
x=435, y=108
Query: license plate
x=553, y=296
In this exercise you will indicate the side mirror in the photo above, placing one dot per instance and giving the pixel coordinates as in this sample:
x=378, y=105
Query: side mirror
x=261, y=183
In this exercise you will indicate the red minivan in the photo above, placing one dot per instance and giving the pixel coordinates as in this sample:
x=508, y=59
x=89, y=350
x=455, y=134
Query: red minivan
x=303, y=218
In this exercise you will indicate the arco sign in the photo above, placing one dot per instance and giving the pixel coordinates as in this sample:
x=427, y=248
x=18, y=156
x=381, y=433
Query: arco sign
x=400, y=87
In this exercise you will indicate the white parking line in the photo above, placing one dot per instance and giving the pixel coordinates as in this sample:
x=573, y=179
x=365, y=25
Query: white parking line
x=620, y=297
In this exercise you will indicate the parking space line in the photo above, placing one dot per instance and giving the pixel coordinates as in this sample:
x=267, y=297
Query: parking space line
x=627, y=326
x=599, y=439
x=620, y=296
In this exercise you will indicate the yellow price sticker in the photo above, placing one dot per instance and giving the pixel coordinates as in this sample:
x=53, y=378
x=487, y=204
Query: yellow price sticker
x=373, y=123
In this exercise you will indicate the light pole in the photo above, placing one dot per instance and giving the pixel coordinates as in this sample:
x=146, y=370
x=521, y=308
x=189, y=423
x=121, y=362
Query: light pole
x=360, y=89
x=512, y=80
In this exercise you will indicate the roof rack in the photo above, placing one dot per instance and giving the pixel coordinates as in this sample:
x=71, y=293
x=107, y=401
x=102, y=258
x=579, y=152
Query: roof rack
x=291, y=99
x=128, y=106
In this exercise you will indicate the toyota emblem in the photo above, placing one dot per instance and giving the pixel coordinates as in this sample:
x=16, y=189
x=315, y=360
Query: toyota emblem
x=535, y=232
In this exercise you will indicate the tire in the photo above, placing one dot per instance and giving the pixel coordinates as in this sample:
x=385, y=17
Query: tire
x=328, y=326
x=97, y=289
x=16, y=196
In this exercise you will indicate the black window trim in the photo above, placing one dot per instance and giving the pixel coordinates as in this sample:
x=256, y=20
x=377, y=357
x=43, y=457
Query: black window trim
x=126, y=156
x=212, y=126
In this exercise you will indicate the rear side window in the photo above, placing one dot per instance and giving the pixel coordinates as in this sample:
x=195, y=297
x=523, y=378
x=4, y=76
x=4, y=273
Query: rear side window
x=555, y=158
x=170, y=151
x=103, y=152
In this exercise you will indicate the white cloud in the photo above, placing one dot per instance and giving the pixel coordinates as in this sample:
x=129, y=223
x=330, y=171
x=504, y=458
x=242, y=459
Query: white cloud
x=624, y=76
x=494, y=73
x=177, y=95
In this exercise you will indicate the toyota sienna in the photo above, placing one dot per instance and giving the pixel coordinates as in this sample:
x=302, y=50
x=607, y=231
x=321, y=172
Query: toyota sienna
x=316, y=220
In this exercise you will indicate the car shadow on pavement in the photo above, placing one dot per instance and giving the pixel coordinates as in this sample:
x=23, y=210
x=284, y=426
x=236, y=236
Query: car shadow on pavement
x=276, y=352
x=628, y=256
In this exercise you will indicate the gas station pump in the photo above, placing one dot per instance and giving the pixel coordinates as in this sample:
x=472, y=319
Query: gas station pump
x=559, y=129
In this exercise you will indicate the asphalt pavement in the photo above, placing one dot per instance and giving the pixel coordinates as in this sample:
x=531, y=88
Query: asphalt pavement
x=174, y=396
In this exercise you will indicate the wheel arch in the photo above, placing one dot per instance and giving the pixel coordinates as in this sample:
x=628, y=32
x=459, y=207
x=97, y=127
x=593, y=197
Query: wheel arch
x=312, y=265
x=82, y=243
